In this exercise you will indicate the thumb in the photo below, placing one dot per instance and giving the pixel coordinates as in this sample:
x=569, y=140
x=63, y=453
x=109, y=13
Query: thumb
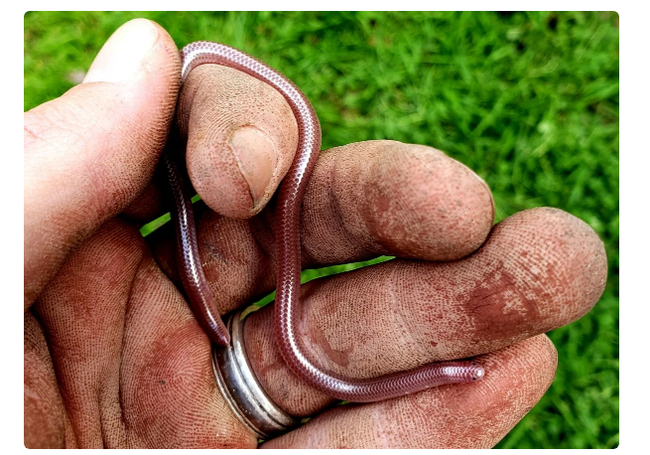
x=91, y=151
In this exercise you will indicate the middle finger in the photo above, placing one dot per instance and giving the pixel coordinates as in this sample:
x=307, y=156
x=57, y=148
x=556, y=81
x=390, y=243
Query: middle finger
x=363, y=200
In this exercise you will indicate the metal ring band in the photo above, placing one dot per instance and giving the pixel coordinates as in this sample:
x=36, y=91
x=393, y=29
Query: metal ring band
x=240, y=387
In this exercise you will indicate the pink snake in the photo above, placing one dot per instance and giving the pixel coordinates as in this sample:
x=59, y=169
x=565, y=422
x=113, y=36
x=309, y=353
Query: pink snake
x=287, y=305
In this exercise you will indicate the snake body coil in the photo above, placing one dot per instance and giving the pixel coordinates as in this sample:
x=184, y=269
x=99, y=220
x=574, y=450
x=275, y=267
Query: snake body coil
x=287, y=310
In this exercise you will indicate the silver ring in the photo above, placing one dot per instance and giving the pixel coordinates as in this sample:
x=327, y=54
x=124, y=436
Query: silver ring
x=241, y=389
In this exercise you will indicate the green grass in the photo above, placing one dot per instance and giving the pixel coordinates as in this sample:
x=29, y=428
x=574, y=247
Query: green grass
x=528, y=100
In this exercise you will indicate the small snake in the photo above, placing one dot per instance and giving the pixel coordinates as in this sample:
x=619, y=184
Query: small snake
x=287, y=310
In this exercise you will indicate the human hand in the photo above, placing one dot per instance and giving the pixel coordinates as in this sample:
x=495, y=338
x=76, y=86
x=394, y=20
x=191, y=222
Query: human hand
x=113, y=355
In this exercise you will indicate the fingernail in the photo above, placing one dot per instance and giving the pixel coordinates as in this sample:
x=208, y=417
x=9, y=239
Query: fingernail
x=124, y=54
x=257, y=157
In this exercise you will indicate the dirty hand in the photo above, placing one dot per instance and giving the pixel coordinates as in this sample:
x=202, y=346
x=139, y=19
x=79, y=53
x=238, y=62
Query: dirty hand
x=113, y=354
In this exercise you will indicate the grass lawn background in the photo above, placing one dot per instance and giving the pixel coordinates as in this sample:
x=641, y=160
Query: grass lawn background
x=527, y=100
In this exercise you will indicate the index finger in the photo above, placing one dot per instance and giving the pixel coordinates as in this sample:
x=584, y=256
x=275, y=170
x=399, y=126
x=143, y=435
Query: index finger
x=241, y=138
